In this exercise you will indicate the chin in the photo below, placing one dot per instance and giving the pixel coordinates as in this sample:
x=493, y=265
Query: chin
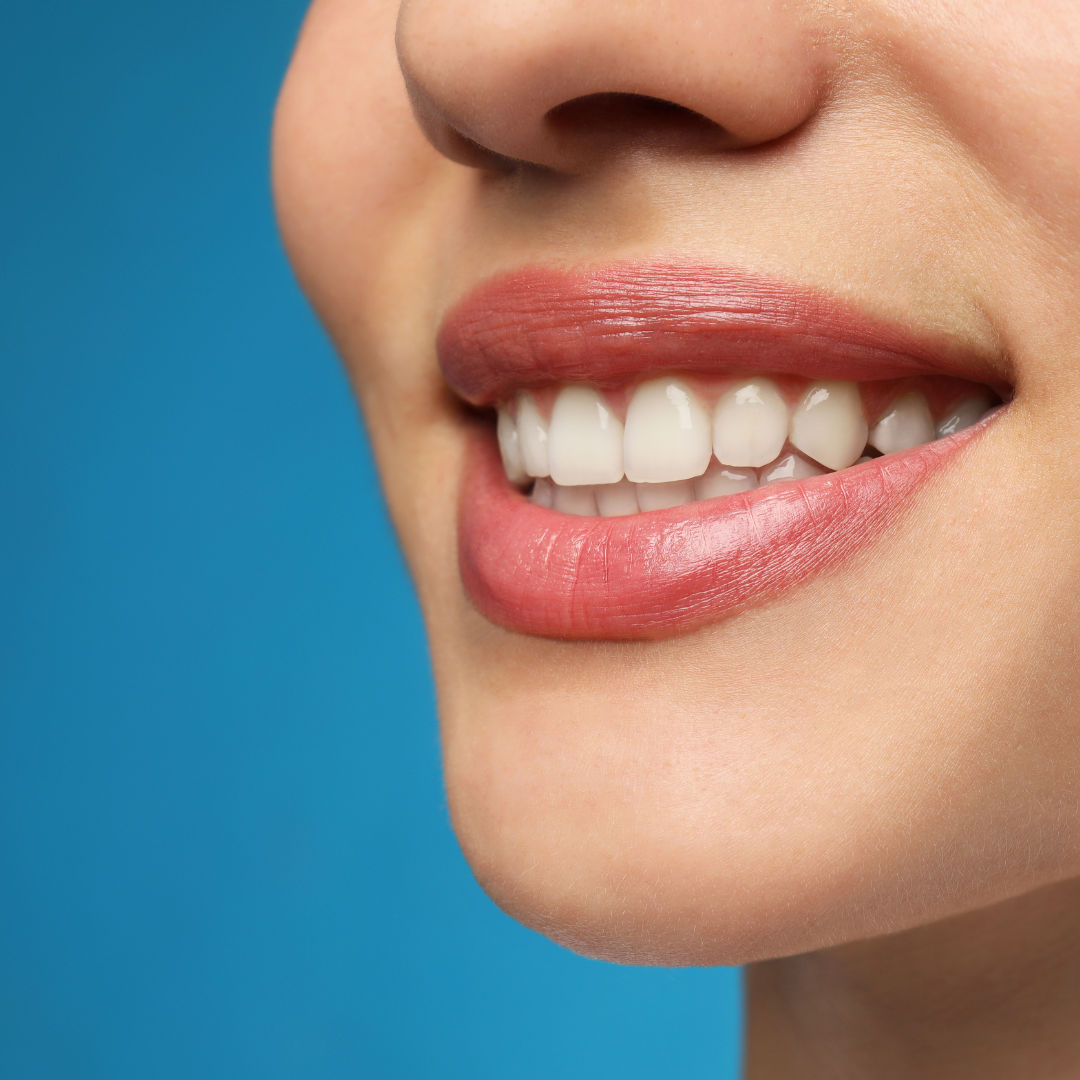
x=813, y=769
x=619, y=864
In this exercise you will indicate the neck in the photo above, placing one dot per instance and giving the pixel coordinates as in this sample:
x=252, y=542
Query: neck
x=994, y=993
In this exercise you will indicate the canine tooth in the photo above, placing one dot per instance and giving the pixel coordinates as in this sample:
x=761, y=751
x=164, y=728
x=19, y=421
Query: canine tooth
x=585, y=439
x=750, y=424
x=720, y=480
x=617, y=500
x=575, y=500
x=968, y=412
x=790, y=467
x=532, y=436
x=668, y=434
x=663, y=496
x=543, y=492
x=510, y=448
x=907, y=423
x=829, y=425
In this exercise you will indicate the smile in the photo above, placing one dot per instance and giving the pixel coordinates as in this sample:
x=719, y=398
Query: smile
x=674, y=443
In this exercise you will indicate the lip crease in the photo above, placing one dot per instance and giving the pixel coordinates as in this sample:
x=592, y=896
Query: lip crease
x=650, y=575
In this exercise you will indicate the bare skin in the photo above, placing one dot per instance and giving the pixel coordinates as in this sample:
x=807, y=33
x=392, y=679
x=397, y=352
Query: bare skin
x=989, y=994
x=865, y=787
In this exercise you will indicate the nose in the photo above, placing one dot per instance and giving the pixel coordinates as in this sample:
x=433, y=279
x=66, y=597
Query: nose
x=563, y=83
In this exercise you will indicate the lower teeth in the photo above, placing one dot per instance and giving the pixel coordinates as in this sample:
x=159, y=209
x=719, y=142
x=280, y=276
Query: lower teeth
x=624, y=498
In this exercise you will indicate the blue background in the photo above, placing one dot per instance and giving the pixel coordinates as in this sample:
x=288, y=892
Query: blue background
x=225, y=850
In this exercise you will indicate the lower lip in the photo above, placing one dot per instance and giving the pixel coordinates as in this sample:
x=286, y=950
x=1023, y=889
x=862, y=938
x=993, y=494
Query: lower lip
x=657, y=574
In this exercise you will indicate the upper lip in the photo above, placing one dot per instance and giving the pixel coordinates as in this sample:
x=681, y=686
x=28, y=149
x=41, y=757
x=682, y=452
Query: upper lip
x=537, y=326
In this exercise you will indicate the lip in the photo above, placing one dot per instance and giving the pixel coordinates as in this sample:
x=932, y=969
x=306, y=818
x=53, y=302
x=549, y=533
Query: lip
x=539, y=326
x=652, y=575
x=536, y=571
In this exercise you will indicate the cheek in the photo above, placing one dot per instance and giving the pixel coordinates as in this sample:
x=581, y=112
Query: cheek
x=1004, y=79
x=714, y=799
x=357, y=192
x=350, y=168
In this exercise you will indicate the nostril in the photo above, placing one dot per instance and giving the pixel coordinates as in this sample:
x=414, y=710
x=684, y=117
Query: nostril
x=560, y=84
x=634, y=120
x=636, y=110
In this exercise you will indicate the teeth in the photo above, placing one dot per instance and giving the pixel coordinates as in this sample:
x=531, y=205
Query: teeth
x=585, y=439
x=668, y=434
x=577, y=458
x=968, y=412
x=543, y=493
x=790, y=467
x=532, y=436
x=908, y=423
x=829, y=425
x=663, y=496
x=575, y=500
x=750, y=424
x=617, y=500
x=719, y=480
x=510, y=448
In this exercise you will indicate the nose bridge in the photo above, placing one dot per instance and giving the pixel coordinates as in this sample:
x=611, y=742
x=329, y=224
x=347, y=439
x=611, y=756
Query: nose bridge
x=490, y=72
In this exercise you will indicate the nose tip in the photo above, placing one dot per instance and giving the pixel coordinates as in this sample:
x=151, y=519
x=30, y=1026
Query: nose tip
x=565, y=83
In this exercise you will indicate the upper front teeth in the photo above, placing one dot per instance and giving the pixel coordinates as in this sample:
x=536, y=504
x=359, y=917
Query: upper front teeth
x=829, y=425
x=750, y=424
x=664, y=456
x=585, y=439
x=668, y=434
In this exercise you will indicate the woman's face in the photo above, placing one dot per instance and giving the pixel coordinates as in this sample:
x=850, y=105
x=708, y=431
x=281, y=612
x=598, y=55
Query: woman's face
x=782, y=714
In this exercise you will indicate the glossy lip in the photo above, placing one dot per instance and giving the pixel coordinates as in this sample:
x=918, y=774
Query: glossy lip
x=665, y=572
x=536, y=571
x=610, y=325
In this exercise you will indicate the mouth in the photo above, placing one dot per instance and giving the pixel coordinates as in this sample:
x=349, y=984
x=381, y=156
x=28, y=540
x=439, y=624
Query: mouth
x=675, y=443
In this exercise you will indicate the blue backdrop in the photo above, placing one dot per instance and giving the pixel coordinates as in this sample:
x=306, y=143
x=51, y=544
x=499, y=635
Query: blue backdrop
x=225, y=850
